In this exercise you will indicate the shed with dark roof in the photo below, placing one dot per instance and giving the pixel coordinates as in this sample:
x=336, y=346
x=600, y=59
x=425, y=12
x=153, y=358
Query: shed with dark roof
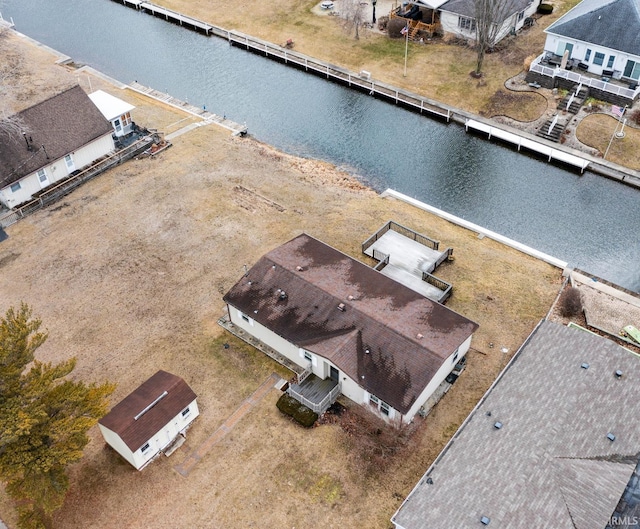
x=150, y=419
x=55, y=138
x=389, y=345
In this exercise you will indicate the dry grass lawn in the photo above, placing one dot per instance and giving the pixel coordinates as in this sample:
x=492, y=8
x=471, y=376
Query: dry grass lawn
x=596, y=131
x=128, y=272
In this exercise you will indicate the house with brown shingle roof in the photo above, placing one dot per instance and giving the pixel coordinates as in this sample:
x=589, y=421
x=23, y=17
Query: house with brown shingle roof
x=60, y=135
x=151, y=419
x=350, y=327
x=554, y=442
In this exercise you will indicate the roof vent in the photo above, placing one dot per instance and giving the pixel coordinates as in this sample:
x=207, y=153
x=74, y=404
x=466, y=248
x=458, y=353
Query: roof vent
x=429, y=481
x=299, y=269
x=485, y=520
x=419, y=336
x=584, y=365
x=342, y=307
x=367, y=350
x=164, y=394
x=611, y=437
x=497, y=425
x=351, y=298
x=273, y=267
x=282, y=295
x=488, y=414
x=618, y=373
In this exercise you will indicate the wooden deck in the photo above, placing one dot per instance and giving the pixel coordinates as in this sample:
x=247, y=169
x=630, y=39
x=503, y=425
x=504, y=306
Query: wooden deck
x=314, y=388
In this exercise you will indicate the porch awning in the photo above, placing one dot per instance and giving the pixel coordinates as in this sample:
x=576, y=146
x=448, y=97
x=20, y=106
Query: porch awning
x=110, y=106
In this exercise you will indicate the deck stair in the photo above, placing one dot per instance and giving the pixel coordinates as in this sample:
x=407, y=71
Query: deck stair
x=552, y=129
x=573, y=101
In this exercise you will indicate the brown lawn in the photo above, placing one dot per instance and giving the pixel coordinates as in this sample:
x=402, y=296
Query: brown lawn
x=128, y=272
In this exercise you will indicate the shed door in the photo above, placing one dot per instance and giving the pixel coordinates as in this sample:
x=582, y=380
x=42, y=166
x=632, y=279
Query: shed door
x=334, y=374
x=71, y=166
x=117, y=125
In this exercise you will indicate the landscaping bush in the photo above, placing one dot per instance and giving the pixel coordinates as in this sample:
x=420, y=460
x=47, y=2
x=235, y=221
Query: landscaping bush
x=394, y=26
x=299, y=412
x=545, y=9
x=634, y=117
x=570, y=302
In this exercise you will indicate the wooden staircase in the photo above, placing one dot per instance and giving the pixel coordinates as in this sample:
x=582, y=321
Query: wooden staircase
x=552, y=129
x=574, y=100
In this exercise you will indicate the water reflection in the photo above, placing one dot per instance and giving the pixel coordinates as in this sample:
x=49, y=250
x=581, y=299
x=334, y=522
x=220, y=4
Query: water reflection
x=585, y=220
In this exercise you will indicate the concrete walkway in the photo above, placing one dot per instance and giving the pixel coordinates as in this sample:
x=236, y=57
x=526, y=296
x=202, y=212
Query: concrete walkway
x=187, y=465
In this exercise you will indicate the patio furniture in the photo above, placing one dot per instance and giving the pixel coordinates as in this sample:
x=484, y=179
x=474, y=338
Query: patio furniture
x=583, y=66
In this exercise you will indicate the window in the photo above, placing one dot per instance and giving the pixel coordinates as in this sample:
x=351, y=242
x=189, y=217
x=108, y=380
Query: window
x=520, y=16
x=587, y=55
x=632, y=70
x=467, y=24
x=144, y=448
x=308, y=356
x=611, y=60
x=245, y=317
x=42, y=175
x=373, y=400
x=125, y=119
x=455, y=357
x=186, y=411
x=598, y=58
x=384, y=408
x=15, y=187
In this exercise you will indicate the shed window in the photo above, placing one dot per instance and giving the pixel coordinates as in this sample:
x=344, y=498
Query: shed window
x=611, y=60
x=308, y=356
x=15, y=187
x=374, y=400
x=455, y=357
x=598, y=58
x=468, y=24
x=186, y=411
x=144, y=448
x=384, y=408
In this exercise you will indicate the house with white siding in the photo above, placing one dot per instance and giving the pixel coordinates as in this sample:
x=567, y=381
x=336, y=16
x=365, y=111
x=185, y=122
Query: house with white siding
x=348, y=328
x=150, y=420
x=459, y=17
x=601, y=36
x=59, y=136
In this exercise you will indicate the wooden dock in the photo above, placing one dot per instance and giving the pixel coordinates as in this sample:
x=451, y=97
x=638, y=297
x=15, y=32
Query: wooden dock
x=169, y=15
x=360, y=81
x=209, y=117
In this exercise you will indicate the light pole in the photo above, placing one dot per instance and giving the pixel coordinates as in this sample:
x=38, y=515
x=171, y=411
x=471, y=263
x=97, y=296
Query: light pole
x=373, y=3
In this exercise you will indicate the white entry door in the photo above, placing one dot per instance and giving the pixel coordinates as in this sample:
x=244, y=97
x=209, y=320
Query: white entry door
x=71, y=166
x=43, y=178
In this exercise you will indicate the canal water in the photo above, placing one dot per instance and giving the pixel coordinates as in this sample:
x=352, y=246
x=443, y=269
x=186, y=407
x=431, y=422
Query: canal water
x=589, y=221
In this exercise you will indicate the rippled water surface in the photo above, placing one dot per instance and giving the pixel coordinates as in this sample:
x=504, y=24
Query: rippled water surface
x=589, y=221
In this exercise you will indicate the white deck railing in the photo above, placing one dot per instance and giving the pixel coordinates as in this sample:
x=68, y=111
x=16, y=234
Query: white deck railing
x=605, y=86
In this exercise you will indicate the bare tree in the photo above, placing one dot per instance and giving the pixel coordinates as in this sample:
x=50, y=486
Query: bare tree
x=353, y=16
x=490, y=17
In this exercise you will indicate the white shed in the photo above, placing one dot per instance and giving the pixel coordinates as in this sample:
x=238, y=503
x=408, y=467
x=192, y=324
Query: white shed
x=151, y=419
x=117, y=111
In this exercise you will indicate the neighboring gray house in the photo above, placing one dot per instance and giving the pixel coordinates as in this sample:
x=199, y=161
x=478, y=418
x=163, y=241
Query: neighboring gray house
x=554, y=442
x=458, y=17
x=61, y=135
x=151, y=419
x=353, y=330
x=601, y=36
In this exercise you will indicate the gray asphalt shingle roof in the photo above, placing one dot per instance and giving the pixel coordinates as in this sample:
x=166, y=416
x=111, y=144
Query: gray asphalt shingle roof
x=613, y=24
x=407, y=335
x=467, y=8
x=551, y=464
